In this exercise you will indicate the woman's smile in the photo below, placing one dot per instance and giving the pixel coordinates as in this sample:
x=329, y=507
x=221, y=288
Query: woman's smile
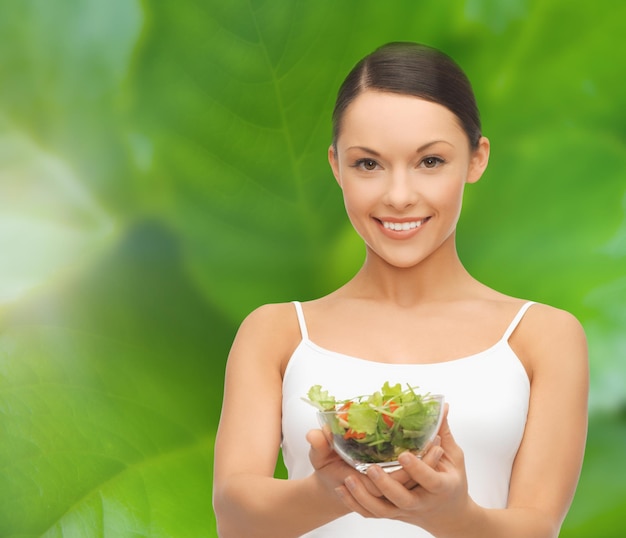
x=401, y=228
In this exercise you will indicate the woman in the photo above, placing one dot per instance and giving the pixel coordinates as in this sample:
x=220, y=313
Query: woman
x=406, y=141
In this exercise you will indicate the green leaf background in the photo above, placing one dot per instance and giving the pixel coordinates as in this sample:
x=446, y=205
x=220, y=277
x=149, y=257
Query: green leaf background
x=163, y=172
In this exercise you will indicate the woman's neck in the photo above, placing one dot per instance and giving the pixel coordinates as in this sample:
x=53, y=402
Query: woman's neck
x=441, y=277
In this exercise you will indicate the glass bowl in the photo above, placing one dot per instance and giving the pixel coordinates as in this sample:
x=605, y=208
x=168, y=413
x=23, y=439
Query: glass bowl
x=387, y=431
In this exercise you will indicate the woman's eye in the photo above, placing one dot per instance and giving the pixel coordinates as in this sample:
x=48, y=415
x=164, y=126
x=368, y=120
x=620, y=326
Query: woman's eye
x=366, y=164
x=432, y=162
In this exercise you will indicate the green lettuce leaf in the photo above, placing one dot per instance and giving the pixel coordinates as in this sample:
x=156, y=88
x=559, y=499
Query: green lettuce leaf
x=320, y=398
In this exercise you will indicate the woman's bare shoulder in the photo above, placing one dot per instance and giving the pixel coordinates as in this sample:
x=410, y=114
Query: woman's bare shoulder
x=270, y=330
x=550, y=337
x=546, y=321
x=540, y=318
x=270, y=314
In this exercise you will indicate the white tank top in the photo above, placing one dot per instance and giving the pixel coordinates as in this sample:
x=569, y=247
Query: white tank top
x=488, y=393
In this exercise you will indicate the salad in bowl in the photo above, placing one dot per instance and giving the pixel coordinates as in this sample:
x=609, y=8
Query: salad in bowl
x=374, y=429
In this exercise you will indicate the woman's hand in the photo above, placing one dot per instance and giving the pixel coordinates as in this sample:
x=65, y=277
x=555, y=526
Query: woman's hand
x=331, y=470
x=439, y=498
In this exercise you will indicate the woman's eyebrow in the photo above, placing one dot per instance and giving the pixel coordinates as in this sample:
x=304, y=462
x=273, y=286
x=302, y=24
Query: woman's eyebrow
x=429, y=144
x=363, y=148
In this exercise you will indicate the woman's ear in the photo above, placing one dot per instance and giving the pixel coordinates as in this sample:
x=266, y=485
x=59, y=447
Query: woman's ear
x=478, y=160
x=334, y=163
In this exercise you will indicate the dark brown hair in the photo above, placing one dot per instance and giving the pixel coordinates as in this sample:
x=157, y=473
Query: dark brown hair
x=412, y=69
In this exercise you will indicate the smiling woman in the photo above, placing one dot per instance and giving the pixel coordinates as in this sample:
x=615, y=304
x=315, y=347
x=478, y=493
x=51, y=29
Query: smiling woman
x=406, y=142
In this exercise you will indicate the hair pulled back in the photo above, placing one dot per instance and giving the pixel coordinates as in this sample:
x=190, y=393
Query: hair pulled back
x=412, y=69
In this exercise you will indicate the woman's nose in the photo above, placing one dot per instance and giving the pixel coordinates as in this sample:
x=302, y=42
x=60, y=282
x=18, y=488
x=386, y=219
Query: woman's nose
x=401, y=190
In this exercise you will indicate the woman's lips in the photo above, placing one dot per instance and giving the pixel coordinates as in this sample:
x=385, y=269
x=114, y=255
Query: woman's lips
x=401, y=228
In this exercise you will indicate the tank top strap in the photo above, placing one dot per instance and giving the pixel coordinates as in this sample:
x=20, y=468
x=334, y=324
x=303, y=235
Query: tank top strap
x=301, y=322
x=518, y=317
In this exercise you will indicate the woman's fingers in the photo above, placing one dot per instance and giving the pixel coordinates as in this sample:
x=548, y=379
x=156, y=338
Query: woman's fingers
x=433, y=454
x=320, y=451
x=350, y=501
x=325, y=460
x=380, y=494
x=452, y=450
x=422, y=471
x=432, y=457
x=358, y=499
x=404, y=496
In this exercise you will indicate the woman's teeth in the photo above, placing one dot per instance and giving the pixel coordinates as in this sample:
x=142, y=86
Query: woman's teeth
x=401, y=226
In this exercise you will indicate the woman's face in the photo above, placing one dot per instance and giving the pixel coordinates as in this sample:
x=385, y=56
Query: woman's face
x=402, y=164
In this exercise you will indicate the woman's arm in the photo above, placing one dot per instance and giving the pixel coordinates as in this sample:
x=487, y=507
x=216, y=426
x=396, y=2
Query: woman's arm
x=548, y=463
x=248, y=501
x=545, y=473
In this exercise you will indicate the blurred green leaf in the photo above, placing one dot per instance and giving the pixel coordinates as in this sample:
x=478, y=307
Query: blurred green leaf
x=49, y=222
x=599, y=503
x=108, y=401
x=63, y=67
